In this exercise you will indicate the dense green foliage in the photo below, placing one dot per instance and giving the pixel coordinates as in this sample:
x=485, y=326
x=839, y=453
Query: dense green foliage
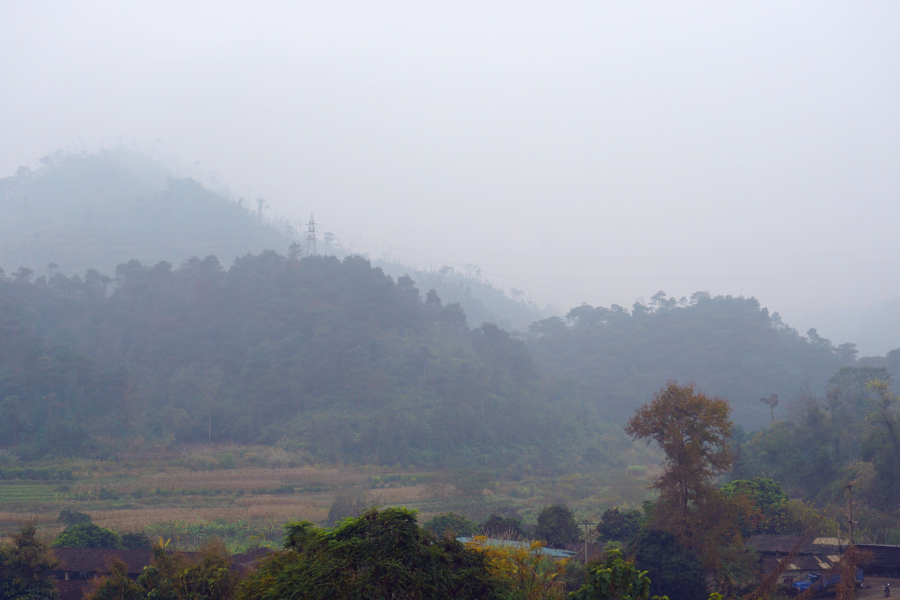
x=381, y=554
x=674, y=570
x=768, y=510
x=451, y=524
x=25, y=567
x=500, y=526
x=556, y=525
x=850, y=434
x=329, y=356
x=87, y=535
x=615, y=579
x=728, y=346
x=619, y=525
x=172, y=577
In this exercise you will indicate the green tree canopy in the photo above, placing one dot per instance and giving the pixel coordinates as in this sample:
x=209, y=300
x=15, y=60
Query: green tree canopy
x=620, y=525
x=332, y=356
x=87, y=535
x=728, y=345
x=502, y=526
x=381, y=554
x=25, y=567
x=615, y=579
x=674, y=570
x=556, y=525
x=173, y=577
x=451, y=523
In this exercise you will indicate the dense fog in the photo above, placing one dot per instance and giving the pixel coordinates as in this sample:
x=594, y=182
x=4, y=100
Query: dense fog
x=580, y=153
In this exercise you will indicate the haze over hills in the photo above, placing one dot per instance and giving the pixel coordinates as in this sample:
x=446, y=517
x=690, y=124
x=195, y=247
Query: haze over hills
x=729, y=346
x=120, y=213
x=96, y=211
x=83, y=211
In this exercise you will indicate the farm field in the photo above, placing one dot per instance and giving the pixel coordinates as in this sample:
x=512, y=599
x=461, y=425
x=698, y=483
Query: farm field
x=245, y=494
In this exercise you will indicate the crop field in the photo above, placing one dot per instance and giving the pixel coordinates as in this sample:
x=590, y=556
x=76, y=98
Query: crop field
x=234, y=495
x=29, y=493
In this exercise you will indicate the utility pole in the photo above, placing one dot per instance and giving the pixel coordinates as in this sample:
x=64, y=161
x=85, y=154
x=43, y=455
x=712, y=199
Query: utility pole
x=311, y=237
x=850, y=520
x=586, y=524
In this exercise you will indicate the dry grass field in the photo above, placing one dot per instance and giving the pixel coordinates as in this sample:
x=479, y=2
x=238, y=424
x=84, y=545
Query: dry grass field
x=247, y=502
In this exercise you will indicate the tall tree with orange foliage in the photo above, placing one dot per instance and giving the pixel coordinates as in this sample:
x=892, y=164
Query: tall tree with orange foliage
x=692, y=430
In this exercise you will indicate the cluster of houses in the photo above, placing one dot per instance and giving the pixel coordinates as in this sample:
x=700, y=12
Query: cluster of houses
x=819, y=555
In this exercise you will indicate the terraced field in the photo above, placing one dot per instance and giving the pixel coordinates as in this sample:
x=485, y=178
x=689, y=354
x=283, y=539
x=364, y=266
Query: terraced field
x=29, y=493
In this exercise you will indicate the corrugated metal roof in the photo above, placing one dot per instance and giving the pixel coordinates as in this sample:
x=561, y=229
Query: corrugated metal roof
x=783, y=544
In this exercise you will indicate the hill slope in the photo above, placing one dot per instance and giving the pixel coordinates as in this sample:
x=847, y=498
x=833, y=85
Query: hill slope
x=96, y=211
x=730, y=346
x=330, y=355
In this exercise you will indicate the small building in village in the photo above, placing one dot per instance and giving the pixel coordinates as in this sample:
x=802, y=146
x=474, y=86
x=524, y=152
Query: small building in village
x=819, y=555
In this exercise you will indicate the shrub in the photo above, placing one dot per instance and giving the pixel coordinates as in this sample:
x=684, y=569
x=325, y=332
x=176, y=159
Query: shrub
x=87, y=535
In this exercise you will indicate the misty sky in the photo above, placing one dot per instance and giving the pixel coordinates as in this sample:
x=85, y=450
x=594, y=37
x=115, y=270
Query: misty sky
x=582, y=152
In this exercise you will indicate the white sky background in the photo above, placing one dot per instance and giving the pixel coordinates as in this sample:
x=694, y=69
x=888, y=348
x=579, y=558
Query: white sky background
x=583, y=152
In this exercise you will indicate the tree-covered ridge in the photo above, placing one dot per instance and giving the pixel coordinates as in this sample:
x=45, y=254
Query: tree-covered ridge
x=728, y=345
x=330, y=356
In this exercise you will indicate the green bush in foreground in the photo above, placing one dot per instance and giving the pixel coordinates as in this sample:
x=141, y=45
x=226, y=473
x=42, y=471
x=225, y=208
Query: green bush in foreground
x=25, y=567
x=380, y=554
x=616, y=578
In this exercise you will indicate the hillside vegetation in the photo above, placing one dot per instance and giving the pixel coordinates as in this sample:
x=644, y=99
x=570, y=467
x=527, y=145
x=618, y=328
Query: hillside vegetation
x=82, y=211
x=331, y=357
x=728, y=345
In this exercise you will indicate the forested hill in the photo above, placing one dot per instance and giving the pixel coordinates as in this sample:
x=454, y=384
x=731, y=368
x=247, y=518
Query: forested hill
x=730, y=346
x=330, y=356
x=81, y=211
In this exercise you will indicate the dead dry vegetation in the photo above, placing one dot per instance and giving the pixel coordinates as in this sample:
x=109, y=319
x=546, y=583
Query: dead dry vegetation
x=248, y=502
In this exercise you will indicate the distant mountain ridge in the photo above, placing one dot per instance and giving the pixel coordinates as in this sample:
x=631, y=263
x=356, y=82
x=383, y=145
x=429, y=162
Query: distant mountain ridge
x=82, y=211
x=96, y=211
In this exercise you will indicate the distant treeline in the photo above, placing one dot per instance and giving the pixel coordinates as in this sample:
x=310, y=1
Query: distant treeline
x=327, y=356
x=728, y=345
x=334, y=359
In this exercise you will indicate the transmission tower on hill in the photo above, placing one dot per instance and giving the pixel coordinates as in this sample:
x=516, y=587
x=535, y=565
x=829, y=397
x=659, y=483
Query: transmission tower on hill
x=311, y=237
